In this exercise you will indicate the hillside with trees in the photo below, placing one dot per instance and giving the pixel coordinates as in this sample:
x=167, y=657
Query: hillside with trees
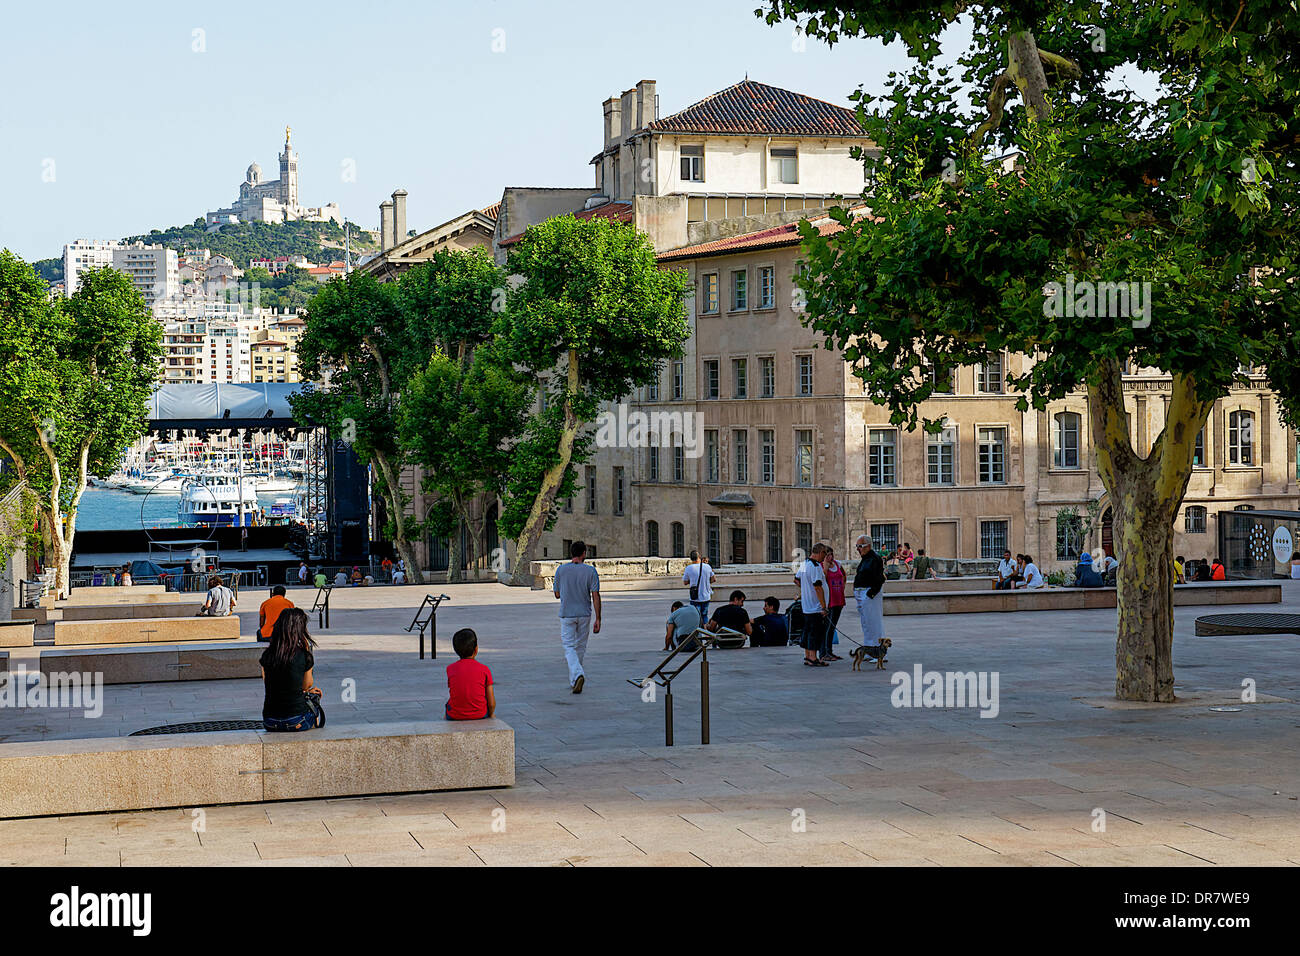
x=318, y=241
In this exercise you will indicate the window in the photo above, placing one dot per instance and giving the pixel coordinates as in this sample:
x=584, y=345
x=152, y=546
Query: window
x=992, y=456
x=739, y=290
x=785, y=165
x=993, y=539
x=805, y=365
x=652, y=390
x=767, y=372
x=803, y=460
x=619, y=489
x=884, y=537
x=803, y=536
x=652, y=539
x=1194, y=520
x=591, y=489
x=652, y=464
x=940, y=453
x=767, y=463
x=882, y=457
x=711, y=454
x=679, y=466
x=1065, y=440
x=711, y=378
x=678, y=379
x=739, y=378
x=679, y=540
x=709, y=293
x=1241, y=438
x=775, y=545
x=1069, y=537
x=767, y=287
x=942, y=383
x=989, y=376
x=568, y=505
x=740, y=439
x=693, y=164
x=713, y=539
x=1198, y=452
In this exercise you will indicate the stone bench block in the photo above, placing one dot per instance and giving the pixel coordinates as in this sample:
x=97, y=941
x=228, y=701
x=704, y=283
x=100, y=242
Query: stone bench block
x=97, y=775
x=21, y=633
x=389, y=758
x=1072, y=599
x=153, y=630
x=151, y=664
x=106, y=612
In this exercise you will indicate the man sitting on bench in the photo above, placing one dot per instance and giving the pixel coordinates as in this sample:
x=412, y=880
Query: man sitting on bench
x=732, y=615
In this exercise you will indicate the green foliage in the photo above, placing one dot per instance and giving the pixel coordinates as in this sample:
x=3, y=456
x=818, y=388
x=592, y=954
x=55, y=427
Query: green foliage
x=75, y=378
x=1190, y=192
x=591, y=289
x=456, y=298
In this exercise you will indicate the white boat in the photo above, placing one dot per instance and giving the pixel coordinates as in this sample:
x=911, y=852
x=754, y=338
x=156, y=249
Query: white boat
x=214, y=501
x=155, y=482
x=273, y=484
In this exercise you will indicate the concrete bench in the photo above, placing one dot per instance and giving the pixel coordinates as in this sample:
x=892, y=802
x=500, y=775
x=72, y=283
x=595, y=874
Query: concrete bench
x=142, y=594
x=17, y=633
x=148, y=630
x=1073, y=599
x=234, y=660
x=107, y=612
x=103, y=774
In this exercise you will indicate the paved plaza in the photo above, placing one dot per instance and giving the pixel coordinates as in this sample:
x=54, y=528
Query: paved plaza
x=806, y=765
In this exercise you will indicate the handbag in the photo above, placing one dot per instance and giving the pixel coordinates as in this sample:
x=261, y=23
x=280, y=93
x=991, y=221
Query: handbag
x=314, y=705
x=695, y=588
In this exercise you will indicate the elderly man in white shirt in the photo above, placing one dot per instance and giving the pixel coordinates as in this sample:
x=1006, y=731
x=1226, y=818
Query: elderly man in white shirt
x=1007, y=569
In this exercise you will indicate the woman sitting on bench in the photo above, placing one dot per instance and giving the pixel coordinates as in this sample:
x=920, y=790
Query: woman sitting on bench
x=291, y=702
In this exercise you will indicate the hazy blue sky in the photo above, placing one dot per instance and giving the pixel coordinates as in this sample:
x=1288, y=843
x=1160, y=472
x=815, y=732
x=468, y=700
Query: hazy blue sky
x=144, y=132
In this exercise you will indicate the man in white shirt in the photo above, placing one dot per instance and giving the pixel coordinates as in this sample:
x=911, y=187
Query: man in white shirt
x=1033, y=577
x=699, y=577
x=813, y=599
x=1007, y=568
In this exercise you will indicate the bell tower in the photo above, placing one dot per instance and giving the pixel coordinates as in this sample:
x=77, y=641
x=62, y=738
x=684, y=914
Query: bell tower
x=288, y=174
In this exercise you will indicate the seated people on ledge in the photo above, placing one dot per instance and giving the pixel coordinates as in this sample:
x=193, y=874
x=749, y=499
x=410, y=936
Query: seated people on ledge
x=1008, y=572
x=770, y=630
x=1033, y=577
x=732, y=615
x=922, y=567
x=1202, y=571
x=1217, y=571
x=1085, y=575
x=680, y=624
x=470, y=695
x=292, y=700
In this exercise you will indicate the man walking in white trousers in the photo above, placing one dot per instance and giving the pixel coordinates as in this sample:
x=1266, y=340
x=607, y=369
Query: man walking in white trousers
x=577, y=588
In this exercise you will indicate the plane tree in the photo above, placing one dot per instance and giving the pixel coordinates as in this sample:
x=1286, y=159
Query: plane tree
x=1128, y=231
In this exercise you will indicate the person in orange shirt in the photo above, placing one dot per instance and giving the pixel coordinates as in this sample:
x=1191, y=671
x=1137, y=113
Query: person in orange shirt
x=271, y=609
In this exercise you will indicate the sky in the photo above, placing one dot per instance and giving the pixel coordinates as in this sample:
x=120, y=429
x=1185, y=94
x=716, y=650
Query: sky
x=126, y=118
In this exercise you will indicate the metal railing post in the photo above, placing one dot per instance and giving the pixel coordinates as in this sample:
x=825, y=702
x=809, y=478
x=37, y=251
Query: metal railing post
x=704, y=700
x=668, y=714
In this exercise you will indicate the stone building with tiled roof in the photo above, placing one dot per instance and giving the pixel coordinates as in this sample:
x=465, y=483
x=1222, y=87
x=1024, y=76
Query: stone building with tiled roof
x=748, y=150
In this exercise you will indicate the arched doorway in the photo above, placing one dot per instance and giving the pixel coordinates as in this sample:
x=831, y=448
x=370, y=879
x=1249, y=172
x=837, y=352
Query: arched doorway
x=1108, y=532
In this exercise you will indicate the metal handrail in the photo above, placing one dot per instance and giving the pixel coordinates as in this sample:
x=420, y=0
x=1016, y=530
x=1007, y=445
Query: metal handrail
x=431, y=620
x=697, y=642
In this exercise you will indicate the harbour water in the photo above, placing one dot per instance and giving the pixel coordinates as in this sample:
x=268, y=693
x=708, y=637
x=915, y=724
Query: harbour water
x=110, y=509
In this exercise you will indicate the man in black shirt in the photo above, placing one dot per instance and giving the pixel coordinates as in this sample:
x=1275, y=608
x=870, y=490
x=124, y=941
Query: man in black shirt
x=867, y=585
x=732, y=615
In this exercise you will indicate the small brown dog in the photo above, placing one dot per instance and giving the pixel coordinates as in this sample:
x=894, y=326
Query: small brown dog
x=876, y=652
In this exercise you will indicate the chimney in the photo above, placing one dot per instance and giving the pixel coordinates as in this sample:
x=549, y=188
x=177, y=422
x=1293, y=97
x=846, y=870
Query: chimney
x=399, y=215
x=629, y=112
x=613, y=121
x=646, y=103
x=385, y=225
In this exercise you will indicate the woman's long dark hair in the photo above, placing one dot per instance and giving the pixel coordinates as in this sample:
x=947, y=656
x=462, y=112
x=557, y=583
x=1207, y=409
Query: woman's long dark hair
x=289, y=636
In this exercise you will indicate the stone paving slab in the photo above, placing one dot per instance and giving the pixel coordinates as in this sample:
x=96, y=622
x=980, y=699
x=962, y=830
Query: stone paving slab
x=879, y=785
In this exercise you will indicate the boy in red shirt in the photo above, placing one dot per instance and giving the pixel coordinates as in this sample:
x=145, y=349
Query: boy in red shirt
x=469, y=683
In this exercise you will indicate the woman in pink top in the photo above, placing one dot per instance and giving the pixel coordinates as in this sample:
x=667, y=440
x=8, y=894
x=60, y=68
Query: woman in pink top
x=835, y=580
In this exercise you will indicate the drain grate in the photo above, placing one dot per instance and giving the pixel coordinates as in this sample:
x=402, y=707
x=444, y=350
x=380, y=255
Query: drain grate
x=200, y=727
x=1223, y=625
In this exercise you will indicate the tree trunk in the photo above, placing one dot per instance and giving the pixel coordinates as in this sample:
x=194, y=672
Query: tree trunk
x=394, y=496
x=544, y=503
x=454, y=557
x=1146, y=493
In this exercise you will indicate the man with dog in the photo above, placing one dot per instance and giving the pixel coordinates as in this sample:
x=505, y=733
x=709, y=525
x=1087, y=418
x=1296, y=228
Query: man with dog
x=867, y=586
